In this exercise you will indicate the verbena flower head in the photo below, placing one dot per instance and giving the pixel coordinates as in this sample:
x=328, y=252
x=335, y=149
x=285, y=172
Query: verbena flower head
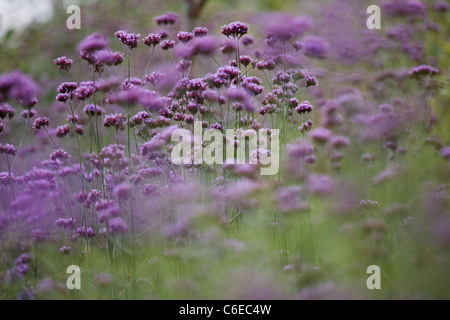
x=131, y=40
x=93, y=42
x=235, y=29
x=339, y=142
x=122, y=191
x=6, y=111
x=281, y=77
x=62, y=131
x=83, y=232
x=441, y=6
x=154, y=77
x=247, y=40
x=167, y=44
x=108, y=58
x=117, y=226
x=40, y=123
x=85, y=90
x=298, y=45
x=228, y=47
x=306, y=76
x=315, y=47
x=320, y=135
x=152, y=39
x=93, y=110
x=184, y=36
x=164, y=34
x=168, y=18
x=304, y=107
x=59, y=154
x=184, y=65
x=320, y=184
x=423, y=70
x=63, y=63
x=62, y=97
x=20, y=87
x=117, y=121
x=8, y=149
x=203, y=45
x=65, y=223
x=200, y=31
x=404, y=8
x=67, y=87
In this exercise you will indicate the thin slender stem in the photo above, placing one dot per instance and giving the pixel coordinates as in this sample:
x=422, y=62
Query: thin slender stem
x=9, y=167
x=148, y=65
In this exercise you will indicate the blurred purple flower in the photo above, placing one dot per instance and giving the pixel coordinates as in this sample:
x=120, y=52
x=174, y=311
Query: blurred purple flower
x=315, y=47
x=445, y=153
x=117, y=226
x=320, y=135
x=18, y=86
x=320, y=184
x=168, y=18
x=93, y=43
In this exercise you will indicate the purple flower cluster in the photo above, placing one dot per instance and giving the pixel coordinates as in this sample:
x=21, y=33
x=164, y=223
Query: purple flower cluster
x=40, y=123
x=152, y=39
x=167, y=44
x=63, y=63
x=168, y=18
x=117, y=121
x=65, y=223
x=93, y=110
x=304, y=107
x=422, y=71
x=131, y=40
x=19, y=87
x=6, y=111
x=200, y=31
x=8, y=149
x=184, y=36
x=92, y=43
x=84, y=232
x=315, y=47
x=235, y=29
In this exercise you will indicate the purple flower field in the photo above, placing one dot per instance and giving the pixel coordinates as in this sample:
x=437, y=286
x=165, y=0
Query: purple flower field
x=227, y=150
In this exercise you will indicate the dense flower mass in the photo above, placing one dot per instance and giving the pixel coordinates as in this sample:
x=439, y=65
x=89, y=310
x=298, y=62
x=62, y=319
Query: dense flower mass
x=307, y=143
